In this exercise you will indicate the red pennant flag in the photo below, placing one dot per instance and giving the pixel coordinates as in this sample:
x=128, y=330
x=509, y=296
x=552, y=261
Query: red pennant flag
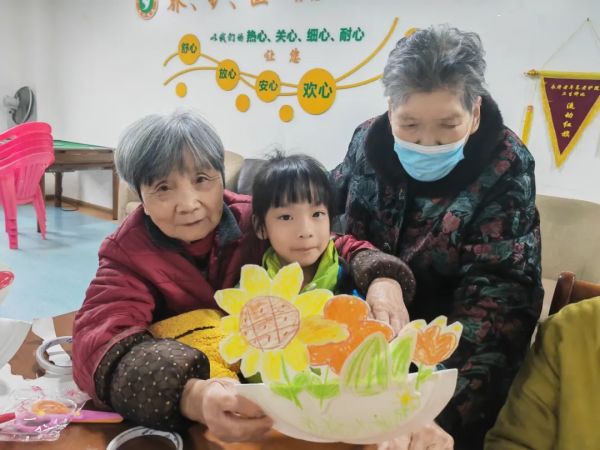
x=570, y=105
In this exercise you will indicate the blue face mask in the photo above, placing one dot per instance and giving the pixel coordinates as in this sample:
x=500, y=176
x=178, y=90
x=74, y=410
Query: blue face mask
x=429, y=162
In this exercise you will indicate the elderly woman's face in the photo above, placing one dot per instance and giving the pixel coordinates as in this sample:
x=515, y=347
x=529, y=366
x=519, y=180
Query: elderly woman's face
x=433, y=118
x=185, y=205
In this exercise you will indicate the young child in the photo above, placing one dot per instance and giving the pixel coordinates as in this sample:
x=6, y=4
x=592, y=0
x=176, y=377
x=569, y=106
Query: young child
x=292, y=202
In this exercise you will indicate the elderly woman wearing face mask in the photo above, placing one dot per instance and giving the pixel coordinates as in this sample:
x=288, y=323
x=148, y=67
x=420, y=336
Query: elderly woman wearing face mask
x=439, y=181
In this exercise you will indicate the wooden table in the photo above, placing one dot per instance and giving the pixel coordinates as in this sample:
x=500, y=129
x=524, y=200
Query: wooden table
x=97, y=436
x=73, y=156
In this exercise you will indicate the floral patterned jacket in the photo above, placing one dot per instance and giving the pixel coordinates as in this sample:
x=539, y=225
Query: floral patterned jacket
x=472, y=240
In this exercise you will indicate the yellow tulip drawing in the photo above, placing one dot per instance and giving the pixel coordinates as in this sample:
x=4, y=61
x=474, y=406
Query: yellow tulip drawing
x=270, y=324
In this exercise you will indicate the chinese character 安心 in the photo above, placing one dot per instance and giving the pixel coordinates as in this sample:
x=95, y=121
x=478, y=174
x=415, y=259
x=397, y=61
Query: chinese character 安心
x=264, y=85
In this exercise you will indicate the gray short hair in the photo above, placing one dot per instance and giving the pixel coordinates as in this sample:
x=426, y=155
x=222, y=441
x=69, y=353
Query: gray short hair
x=439, y=57
x=153, y=146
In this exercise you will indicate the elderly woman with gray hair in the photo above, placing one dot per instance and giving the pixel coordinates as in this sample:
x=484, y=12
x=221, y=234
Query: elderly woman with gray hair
x=188, y=239
x=439, y=181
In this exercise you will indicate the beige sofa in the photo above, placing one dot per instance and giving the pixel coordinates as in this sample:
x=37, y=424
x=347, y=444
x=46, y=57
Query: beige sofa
x=570, y=241
x=570, y=228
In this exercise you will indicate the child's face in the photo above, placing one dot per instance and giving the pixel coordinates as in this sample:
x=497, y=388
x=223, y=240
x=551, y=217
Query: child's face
x=298, y=232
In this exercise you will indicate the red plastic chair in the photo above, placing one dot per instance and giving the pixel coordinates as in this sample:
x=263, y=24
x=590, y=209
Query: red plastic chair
x=20, y=176
x=24, y=128
x=39, y=140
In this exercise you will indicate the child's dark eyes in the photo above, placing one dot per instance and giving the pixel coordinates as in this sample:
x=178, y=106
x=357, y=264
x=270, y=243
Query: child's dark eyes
x=318, y=214
x=285, y=217
x=162, y=188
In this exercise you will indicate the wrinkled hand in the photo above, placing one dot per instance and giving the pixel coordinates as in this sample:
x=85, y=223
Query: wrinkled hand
x=429, y=437
x=384, y=296
x=229, y=416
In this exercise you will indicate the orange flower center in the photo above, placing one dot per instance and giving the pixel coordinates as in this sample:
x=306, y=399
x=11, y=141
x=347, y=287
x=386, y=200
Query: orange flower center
x=269, y=322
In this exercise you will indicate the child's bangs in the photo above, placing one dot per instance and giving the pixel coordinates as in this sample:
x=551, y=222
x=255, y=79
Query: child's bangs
x=299, y=189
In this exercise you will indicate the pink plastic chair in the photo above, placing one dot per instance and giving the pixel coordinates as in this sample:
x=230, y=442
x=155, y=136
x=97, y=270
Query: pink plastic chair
x=32, y=140
x=24, y=128
x=20, y=175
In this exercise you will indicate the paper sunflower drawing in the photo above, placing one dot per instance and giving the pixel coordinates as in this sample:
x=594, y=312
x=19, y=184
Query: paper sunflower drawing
x=321, y=355
x=270, y=325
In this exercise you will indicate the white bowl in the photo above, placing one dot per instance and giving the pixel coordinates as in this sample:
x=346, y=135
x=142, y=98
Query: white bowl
x=353, y=418
x=12, y=335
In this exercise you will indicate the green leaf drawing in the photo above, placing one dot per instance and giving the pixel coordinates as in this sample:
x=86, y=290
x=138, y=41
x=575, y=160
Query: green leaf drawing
x=286, y=391
x=367, y=370
x=401, y=355
x=291, y=388
x=324, y=390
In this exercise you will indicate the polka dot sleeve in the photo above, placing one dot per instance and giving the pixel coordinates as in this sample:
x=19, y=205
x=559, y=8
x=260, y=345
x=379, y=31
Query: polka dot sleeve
x=147, y=379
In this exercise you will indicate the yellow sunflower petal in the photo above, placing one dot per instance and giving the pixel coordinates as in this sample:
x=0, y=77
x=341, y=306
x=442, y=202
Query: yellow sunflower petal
x=232, y=348
x=315, y=330
x=288, y=282
x=271, y=365
x=251, y=361
x=255, y=281
x=231, y=300
x=312, y=302
x=230, y=324
x=295, y=355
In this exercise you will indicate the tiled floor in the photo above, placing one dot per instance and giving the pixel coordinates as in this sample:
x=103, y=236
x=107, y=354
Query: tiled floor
x=51, y=275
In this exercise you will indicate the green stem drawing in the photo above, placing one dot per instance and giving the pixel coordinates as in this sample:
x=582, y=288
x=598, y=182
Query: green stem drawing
x=419, y=379
x=289, y=383
x=324, y=382
x=422, y=375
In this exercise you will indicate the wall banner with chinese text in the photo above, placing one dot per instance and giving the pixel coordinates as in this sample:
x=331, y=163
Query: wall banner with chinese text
x=570, y=103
